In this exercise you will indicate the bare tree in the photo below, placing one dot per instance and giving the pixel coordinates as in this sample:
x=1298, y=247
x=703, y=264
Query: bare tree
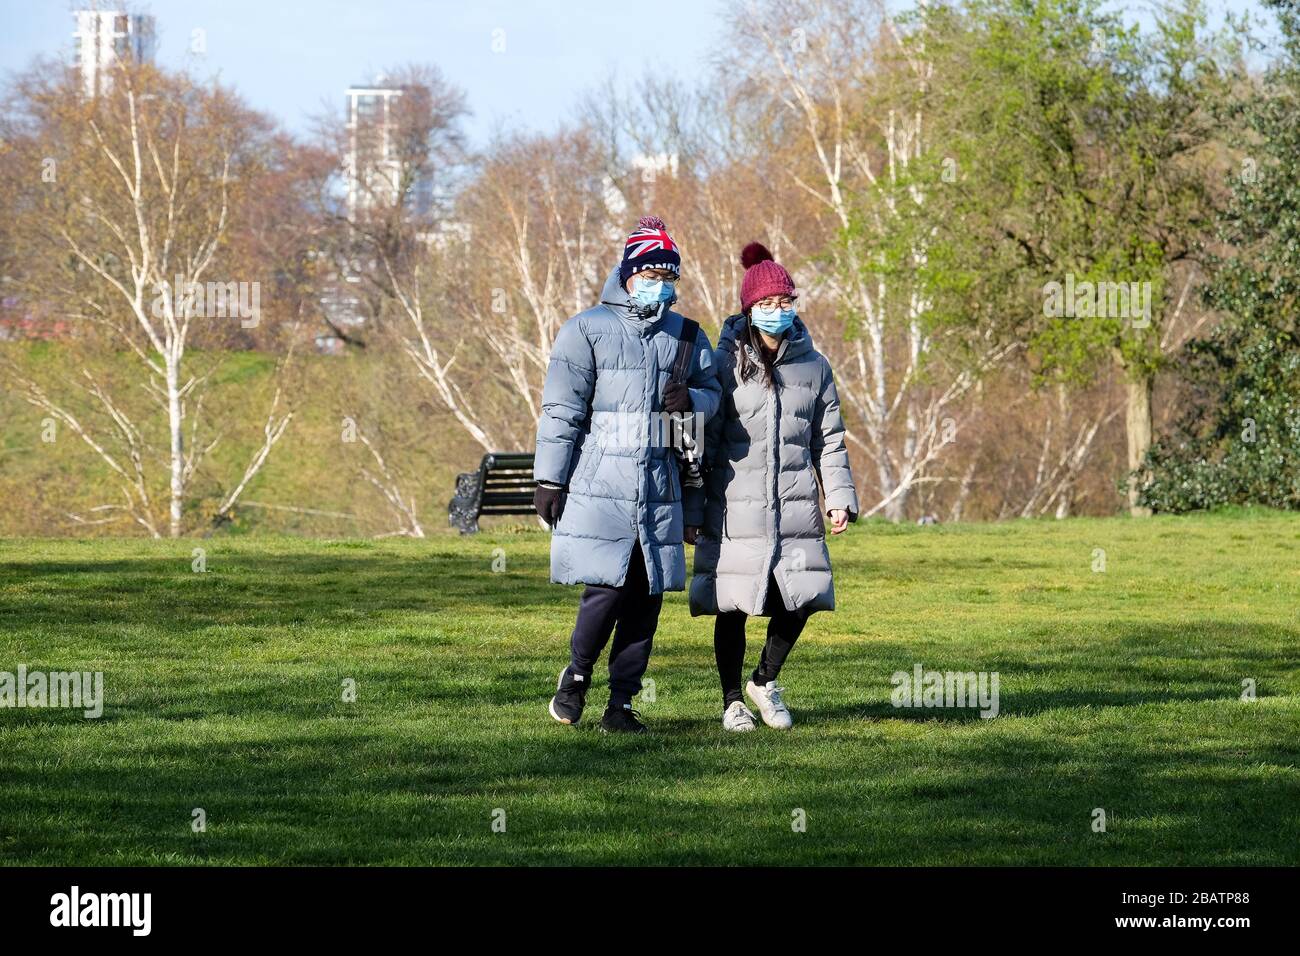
x=847, y=148
x=127, y=237
x=538, y=251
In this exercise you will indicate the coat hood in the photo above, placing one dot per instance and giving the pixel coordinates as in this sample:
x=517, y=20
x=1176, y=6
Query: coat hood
x=613, y=295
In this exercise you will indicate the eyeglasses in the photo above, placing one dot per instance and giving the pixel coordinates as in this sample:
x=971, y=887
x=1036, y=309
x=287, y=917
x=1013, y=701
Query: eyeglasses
x=784, y=303
x=655, y=275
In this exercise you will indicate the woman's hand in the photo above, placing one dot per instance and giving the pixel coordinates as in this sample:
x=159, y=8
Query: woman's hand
x=839, y=520
x=691, y=534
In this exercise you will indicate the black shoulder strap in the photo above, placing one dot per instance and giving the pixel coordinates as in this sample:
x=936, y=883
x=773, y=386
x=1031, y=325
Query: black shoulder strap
x=685, y=350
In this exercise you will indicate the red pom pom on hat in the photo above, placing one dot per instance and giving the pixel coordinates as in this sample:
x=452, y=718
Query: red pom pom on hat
x=753, y=254
x=651, y=222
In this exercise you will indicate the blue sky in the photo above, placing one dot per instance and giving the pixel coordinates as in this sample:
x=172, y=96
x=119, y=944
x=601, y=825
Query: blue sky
x=289, y=58
x=294, y=59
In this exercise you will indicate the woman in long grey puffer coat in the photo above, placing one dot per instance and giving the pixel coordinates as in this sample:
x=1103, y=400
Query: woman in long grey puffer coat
x=777, y=437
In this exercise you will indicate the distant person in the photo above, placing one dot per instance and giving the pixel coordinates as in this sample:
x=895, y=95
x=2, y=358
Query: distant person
x=777, y=436
x=613, y=497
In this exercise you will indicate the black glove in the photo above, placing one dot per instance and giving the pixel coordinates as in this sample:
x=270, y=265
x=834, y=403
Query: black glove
x=549, y=502
x=677, y=397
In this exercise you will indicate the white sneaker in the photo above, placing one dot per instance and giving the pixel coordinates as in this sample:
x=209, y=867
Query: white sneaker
x=767, y=701
x=738, y=719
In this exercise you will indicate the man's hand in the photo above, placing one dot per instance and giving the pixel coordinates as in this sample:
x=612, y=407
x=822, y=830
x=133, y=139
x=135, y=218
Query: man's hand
x=677, y=397
x=839, y=520
x=549, y=502
x=692, y=533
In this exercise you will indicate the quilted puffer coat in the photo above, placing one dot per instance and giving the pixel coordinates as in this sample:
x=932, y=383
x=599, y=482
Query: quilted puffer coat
x=765, y=453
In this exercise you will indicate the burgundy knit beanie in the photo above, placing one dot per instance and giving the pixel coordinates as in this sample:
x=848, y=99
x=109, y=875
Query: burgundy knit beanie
x=763, y=276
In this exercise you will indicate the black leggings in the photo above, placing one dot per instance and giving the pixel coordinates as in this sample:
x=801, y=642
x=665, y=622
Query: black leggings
x=783, y=629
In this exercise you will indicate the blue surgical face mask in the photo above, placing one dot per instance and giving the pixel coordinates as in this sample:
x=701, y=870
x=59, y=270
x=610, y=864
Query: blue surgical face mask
x=774, y=322
x=646, y=291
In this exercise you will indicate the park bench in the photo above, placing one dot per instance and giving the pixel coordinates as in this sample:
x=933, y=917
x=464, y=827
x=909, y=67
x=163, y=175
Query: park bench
x=503, y=485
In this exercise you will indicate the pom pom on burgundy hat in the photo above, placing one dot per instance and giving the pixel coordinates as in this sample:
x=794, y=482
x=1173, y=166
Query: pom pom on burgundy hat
x=754, y=253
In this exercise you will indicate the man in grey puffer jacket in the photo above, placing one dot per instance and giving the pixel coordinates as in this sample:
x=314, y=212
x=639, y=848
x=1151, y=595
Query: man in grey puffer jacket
x=608, y=486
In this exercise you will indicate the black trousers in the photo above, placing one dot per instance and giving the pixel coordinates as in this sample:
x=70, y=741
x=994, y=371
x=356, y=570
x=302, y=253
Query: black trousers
x=783, y=629
x=631, y=614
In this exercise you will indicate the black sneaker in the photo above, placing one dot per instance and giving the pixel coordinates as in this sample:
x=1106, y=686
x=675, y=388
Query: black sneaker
x=570, y=697
x=622, y=720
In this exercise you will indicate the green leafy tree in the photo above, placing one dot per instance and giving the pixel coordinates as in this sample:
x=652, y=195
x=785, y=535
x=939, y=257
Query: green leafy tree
x=1084, y=150
x=1238, y=440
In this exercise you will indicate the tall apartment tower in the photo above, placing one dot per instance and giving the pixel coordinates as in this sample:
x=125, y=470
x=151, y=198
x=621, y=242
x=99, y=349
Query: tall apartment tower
x=106, y=36
x=373, y=158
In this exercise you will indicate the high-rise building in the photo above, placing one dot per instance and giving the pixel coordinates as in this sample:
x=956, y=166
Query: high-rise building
x=374, y=160
x=107, y=36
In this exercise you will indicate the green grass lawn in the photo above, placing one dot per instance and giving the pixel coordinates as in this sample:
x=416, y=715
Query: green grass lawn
x=1120, y=690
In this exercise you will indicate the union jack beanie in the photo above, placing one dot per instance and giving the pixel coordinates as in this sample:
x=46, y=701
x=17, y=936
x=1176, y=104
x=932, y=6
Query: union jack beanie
x=649, y=247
